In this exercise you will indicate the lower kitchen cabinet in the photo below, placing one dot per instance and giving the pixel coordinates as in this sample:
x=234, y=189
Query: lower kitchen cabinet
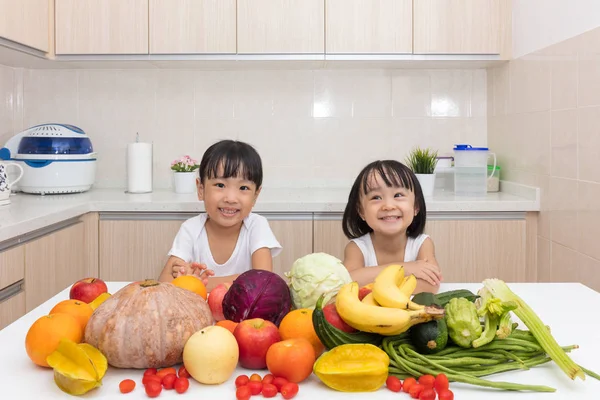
x=296, y=238
x=12, y=296
x=329, y=237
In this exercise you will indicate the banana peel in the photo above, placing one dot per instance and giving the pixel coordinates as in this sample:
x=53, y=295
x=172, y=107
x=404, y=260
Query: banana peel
x=78, y=368
x=99, y=300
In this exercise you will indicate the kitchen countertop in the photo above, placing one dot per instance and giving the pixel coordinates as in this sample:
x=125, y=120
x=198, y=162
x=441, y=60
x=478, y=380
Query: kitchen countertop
x=28, y=212
x=567, y=313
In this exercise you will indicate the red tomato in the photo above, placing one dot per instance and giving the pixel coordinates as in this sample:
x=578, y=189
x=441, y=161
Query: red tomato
x=151, y=378
x=241, y=380
x=427, y=394
x=255, y=387
x=166, y=371
x=150, y=371
x=181, y=385
x=289, y=390
x=427, y=381
x=279, y=382
x=408, y=383
x=415, y=391
x=441, y=383
x=168, y=381
x=393, y=383
x=243, y=393
x=126, y=386
x=153, y=389
x=268, y=378
x=446, y=395
x=269, y=390
x=255, y=377
x=183, y=372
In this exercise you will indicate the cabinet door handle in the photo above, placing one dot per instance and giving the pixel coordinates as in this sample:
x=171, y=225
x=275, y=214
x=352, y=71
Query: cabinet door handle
x=11, y=290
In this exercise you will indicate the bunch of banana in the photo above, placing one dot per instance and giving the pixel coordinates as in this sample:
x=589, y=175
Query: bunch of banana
x=392, y=289
x=374, y=318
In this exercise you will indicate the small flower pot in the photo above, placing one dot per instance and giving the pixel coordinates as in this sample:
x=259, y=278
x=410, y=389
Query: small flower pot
x=427, y=182
x=185, y=182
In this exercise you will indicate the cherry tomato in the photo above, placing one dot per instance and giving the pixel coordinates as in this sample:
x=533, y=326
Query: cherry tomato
x=166, y=371
x=153, y=389
x=441, y=383
x=241, y=380
x=151, y=378
x=415, y=391
x=168, y=381
x=427, y=394
x=150, y=371
x=183, y=372
x=243, y=393
x=408, y=383
x=393, y=383
x=126, y=386
x=446, y=395
x=255, y=387
x=268, y=378
x=181, y=385
x=289, y=390
x=279, y=382
x=269, y=390
x=427, y=381
x=255, y=377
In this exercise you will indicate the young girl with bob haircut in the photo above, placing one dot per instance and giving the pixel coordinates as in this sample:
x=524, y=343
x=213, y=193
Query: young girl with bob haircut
x=228, y=239
x=384, y=220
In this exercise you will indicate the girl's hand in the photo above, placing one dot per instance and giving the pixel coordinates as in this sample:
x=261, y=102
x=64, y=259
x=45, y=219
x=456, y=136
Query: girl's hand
x=180, y=268
x=426, y=271
x=202, y=272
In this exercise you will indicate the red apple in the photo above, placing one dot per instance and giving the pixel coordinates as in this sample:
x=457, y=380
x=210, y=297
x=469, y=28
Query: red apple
x=87, y=289
x=363, y=292
x=215, y=300
x=254, y=337
x=332, y=316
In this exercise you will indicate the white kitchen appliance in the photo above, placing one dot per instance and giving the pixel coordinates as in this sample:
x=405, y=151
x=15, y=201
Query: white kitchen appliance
x=56, y=158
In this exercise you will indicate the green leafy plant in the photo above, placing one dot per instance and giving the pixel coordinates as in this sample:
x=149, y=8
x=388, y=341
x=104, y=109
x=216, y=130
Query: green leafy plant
x=422, y=161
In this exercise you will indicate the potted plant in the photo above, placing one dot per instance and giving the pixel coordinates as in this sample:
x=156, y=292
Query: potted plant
x=422, y=162
x=184, y=175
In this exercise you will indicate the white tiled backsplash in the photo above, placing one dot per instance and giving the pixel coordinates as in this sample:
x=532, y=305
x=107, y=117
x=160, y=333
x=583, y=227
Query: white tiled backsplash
x=311, y=128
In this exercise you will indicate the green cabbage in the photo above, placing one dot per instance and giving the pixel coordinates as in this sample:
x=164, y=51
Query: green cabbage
x=313, y=275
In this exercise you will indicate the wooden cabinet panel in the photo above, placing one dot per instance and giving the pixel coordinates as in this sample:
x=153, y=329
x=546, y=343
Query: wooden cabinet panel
x=12, y=309
x=296, y=238
x=53, y=263
x=132, y=250
x=472, y=250
x=368, y=26
x=281, y=26
x=457, y=26
x=12, y=266
x=192, y=26
x=329, y=237
x=26, y=22
x=101, y=26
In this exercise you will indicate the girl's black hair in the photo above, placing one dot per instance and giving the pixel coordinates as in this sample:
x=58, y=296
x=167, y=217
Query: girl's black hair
x=394, y=174
x=236, y=158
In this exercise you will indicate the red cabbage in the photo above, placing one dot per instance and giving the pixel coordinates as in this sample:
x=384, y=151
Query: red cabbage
x=257, y=294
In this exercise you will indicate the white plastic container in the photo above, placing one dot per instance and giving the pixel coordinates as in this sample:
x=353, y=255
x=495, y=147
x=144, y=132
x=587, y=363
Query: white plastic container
x=471, y=170
x=444, y=174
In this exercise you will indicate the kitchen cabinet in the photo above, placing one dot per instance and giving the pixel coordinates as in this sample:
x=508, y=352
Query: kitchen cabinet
x=101, y=27
x=53, y=262
x=280, y=26
x=192, y=26
x=457, y=26
x=26, y=22
x=329, y=237
x=368, y=26
x=296, y=238
x=12, y=297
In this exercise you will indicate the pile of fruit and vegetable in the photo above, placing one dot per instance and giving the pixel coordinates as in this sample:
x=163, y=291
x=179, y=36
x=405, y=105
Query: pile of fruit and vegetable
x=353, y=339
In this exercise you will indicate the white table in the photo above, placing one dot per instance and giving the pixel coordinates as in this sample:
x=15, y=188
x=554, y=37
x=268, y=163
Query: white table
x=571, y=309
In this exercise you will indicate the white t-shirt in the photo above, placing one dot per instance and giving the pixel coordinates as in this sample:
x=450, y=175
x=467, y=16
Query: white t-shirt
x=365, y=244
x=191, y=244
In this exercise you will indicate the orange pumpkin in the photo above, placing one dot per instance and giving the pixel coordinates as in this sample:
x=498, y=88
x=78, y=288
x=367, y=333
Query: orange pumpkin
x=45, y=334
x=80, y=310
x=146, y=324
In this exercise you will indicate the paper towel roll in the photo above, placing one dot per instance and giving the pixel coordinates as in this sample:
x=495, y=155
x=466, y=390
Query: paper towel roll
x=139, y=167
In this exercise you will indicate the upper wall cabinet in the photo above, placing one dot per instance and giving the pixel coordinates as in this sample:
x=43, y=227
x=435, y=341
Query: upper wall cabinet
x=368, y=26
x=25, y=22
x=101, y=26
x=192, y=26
x=281, y=26
x=457, y=26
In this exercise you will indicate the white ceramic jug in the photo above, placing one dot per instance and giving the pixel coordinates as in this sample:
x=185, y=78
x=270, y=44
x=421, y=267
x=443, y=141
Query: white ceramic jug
x=5, y=185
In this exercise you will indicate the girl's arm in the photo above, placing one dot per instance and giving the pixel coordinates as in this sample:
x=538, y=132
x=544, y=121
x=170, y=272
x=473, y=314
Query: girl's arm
x=261, y=259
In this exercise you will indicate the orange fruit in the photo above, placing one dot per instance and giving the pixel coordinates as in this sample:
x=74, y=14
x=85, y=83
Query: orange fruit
x=291, y=359
x=298, y=324
x=80, y=310
x=45, y=334
x=227, y=324
x=192, y=284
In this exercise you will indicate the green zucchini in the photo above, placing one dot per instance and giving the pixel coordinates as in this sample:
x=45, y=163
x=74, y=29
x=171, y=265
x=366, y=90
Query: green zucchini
x=441, y=299
x=430, y=337
x=331, y=336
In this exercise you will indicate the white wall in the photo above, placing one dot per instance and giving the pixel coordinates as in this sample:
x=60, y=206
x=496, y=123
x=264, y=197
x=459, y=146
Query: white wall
x=541, y=23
